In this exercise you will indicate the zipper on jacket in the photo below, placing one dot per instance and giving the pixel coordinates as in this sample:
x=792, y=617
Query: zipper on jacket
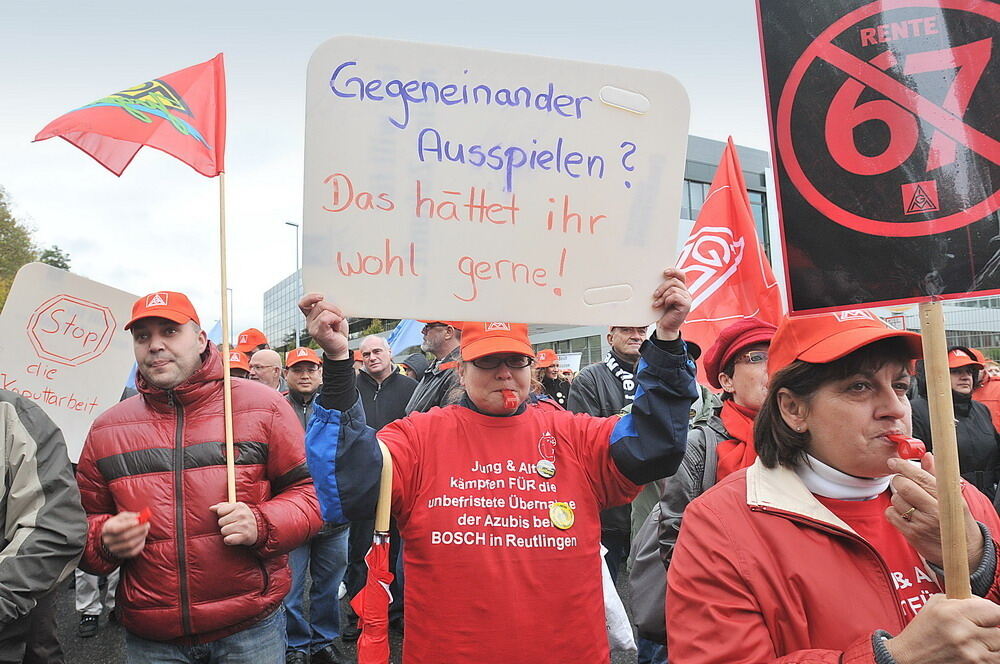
x=833, y=530
x=179, y=512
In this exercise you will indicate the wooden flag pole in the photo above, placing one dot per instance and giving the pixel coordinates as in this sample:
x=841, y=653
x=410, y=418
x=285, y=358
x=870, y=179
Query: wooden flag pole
x=227, y=383
x=951, y=509
x=382, y=509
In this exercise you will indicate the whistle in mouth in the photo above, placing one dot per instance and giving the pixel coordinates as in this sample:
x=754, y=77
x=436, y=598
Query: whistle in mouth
x=908, y=447
x=509, y=399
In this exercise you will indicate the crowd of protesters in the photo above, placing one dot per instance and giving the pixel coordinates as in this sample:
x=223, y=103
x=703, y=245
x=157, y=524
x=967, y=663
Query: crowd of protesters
x=765, y=517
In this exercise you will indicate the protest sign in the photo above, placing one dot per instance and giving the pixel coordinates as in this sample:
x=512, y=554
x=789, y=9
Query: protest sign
x=62, y=345
x=884, y=125
x=459, y=184
x=570, y=361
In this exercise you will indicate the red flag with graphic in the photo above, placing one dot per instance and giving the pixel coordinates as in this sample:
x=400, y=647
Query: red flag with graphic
x=182, y=114
x=728, y=273
x=372, y=605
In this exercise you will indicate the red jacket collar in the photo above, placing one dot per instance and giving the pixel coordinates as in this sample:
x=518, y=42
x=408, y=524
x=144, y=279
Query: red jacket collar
x=200, y=385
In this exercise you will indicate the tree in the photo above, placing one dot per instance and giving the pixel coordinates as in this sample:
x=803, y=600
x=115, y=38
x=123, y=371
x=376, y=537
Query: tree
x=55, y=257
x=16, y=246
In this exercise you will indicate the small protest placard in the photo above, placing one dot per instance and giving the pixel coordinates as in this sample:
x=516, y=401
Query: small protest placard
x=62, y=345
x=459, y=184
x=884, y=124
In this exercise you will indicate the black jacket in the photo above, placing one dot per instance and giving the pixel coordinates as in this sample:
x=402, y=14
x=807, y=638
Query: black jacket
x=978, y=448
x=386, y=402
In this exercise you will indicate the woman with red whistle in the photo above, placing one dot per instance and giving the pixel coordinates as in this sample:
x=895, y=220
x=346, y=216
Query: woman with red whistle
x=498, y=502
x=827, y=549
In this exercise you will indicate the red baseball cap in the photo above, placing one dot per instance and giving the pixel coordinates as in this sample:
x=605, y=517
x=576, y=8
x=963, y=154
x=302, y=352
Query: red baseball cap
x=297, y=355
x=546, y=358
x=457, y=324
x=827, y=337
x=249, y=339
x=744, y=332
x=959, y=357
x=238, y=360
x=486, y=338
x=173, y=306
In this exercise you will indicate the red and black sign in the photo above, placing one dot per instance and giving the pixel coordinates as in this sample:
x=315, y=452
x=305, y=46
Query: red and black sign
x=885, y=123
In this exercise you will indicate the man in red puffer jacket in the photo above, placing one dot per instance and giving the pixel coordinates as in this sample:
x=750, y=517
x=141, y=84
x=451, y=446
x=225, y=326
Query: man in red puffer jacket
x=201, y=578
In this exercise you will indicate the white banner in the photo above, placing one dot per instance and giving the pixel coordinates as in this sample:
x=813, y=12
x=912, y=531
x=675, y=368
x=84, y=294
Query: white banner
x=455, y=184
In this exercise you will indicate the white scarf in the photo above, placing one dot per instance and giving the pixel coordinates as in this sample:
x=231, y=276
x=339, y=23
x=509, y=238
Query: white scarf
x=827, y=481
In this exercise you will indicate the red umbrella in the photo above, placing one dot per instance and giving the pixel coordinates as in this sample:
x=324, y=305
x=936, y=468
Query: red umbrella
x=372, y=602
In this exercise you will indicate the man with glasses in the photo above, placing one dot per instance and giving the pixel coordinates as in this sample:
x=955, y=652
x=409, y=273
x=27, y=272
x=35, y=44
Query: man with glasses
x=325, y=555
x=435, y=387
x=498, y=502
x=265, y=366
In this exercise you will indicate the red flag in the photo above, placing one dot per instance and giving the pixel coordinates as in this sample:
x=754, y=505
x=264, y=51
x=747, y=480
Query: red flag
x=182, y=114
x=372, y=605
x=727, y=270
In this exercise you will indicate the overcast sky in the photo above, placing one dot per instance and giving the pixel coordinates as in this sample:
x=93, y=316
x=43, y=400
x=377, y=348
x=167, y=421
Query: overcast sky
x=155, y=228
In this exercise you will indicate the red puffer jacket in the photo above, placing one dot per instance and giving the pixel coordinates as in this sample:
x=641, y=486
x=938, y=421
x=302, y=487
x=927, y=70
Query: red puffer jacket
x=165, y=450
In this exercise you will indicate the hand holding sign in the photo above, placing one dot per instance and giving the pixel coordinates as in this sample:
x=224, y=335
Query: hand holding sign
x=327, y=324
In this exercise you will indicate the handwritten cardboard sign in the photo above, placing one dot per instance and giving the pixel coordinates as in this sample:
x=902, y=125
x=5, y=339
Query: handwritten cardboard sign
x=62, y=345
x=459, y=184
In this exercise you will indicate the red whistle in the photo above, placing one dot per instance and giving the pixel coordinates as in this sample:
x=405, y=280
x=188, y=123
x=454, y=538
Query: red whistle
x=509, y=399
x=908, y=448
x=144, y=515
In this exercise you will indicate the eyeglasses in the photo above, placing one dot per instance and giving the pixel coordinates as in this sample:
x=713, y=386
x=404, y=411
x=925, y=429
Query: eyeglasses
x=430, y=326
x=494, y=361
x=753, y=357
x=304, y=367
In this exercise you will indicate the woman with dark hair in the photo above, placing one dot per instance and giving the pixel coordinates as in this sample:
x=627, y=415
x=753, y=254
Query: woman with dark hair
x=978, y=446
x=827, y=549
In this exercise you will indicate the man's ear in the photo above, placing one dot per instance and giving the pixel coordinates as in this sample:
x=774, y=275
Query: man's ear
x=461, y=373
x=726, y=382
x=202, y=340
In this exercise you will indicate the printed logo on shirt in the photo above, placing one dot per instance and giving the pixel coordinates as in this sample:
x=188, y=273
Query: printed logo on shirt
x=157, y=300
x=498, y=326
x=547, y=446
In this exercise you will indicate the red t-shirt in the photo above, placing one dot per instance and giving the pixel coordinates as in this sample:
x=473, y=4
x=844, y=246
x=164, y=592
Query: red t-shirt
x=914, y=583
x=488, y=577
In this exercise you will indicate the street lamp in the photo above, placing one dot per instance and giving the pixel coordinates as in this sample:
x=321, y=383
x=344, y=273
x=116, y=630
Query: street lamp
x=298, y=284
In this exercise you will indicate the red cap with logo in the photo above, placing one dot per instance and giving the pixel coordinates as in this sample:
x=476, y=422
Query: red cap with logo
x=297, y=355
x=173, y=306
x=546, y=358
x=249, y=339
x=486, y=338
x=959, y=357
x=238, y=360
x=824, y=338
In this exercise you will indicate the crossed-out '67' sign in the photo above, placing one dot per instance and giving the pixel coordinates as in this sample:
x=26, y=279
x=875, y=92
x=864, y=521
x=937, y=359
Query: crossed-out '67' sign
x=886, y=128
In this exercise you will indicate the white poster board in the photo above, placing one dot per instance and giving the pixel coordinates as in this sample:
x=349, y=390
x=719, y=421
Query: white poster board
x=62, y=345
x=457, y=184
x=570, y=361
